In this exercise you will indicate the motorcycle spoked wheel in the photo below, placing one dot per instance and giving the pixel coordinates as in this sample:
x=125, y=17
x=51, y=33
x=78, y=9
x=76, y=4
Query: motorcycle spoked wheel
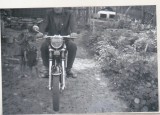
x=55, y=93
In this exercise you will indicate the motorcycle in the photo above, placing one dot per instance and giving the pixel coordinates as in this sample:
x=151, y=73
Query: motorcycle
x=57, y=65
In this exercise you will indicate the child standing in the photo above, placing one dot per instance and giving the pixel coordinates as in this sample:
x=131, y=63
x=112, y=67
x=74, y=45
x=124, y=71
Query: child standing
x=28, y=50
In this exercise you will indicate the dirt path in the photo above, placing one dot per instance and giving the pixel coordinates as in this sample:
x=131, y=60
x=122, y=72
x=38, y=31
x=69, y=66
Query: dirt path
x=89, y=93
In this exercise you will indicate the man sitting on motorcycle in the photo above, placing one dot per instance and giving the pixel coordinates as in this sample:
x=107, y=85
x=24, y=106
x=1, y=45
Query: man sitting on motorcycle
x=59, y=22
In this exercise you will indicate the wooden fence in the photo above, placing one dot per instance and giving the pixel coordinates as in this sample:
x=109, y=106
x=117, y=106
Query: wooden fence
x=29, y=13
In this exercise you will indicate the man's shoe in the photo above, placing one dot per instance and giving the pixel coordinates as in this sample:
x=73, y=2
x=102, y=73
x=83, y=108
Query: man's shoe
x=70, y=74
x=45, y=74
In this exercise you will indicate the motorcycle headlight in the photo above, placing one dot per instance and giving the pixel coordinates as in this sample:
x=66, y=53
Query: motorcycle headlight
x=56, y=42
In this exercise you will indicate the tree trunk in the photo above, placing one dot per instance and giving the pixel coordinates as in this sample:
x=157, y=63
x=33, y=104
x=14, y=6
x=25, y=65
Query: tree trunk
x=154, y=19
x=87, y=15
x=143, y=16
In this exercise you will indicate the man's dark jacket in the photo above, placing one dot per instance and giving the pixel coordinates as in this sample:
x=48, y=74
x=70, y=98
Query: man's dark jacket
x=67, y=24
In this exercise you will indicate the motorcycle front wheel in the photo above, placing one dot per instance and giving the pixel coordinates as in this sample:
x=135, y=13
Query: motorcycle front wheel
x=55, y=93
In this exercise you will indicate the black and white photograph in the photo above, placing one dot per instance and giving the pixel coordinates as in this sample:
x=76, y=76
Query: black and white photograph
x=71, y=60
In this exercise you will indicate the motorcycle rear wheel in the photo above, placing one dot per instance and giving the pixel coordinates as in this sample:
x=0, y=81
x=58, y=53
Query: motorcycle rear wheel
x=55, y=93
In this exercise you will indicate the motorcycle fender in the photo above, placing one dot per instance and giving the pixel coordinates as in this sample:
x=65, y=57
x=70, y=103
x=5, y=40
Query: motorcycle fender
x=56, y=71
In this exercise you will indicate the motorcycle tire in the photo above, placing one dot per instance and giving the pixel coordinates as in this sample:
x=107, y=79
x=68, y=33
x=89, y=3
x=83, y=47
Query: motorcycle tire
x=55, y=93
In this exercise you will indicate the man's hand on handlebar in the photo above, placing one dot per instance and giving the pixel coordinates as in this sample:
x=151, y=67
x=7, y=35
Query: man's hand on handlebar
x=39, y=35
x=73, y=35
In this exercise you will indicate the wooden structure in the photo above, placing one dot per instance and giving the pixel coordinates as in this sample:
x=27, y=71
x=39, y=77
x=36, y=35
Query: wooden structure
x=144, y=13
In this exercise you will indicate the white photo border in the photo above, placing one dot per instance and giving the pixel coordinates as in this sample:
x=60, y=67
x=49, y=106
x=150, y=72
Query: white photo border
x=84, y=3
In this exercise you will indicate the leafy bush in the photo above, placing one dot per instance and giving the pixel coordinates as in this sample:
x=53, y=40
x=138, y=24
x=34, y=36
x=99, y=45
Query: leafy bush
x=129, y=60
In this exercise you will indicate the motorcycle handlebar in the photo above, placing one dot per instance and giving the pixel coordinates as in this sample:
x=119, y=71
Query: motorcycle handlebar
x=46, y=36
x=66, y=36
